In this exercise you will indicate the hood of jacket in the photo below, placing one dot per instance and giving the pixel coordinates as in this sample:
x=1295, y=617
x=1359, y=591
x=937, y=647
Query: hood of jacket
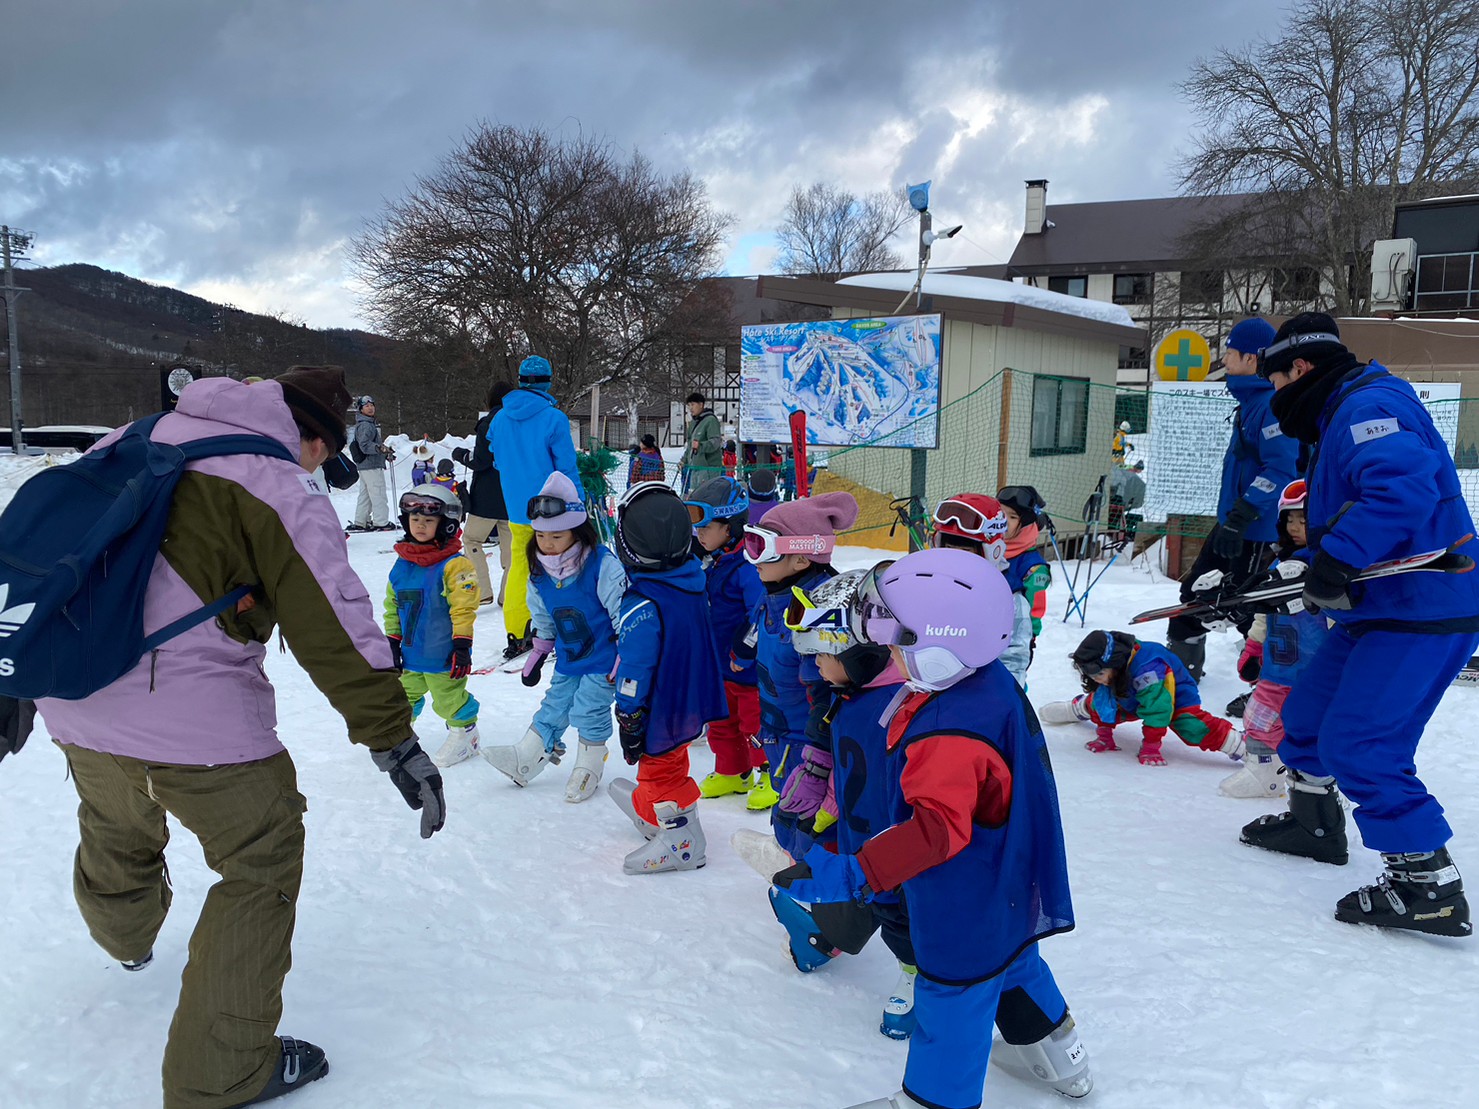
x=688, y=578
x=257, y=409
x=525, y=404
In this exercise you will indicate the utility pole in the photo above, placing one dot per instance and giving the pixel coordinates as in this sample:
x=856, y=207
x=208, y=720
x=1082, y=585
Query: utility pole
x=17, y=241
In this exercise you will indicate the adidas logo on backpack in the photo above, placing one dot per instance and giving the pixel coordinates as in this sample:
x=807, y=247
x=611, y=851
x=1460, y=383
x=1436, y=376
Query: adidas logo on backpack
x=11, y=619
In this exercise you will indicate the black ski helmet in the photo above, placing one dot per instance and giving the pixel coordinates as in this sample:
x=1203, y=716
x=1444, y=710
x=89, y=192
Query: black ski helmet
x=762, y=484
x=1103, y=650
x=1025, y=501
x=729, y=500
x=653, y=531
x=432, y=500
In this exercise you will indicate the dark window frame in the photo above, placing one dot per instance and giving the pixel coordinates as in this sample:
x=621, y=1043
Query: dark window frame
x=1142, y=288
x=1066, y=280
x=1076, y=441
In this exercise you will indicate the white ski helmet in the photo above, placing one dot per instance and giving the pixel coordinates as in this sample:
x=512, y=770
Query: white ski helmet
x=823, y=619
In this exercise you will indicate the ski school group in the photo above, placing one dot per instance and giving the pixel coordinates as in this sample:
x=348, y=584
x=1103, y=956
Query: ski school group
x=879, y=715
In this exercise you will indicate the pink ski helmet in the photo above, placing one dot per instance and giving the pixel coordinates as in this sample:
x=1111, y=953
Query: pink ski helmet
x=950, y=612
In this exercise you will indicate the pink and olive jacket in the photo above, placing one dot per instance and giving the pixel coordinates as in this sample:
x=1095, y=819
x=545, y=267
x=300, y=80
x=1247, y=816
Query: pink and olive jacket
x=203, y=698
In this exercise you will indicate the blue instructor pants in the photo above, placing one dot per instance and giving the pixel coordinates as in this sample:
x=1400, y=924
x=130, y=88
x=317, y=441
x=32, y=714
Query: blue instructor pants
x=1356, y=713
x=951, y=1046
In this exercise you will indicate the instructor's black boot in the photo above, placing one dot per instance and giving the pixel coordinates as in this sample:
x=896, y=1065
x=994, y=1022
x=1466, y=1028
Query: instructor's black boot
x=1314, y=826
x=1239, y=704
x=1191, y=652
x=1420, y=892
x=300, y=1063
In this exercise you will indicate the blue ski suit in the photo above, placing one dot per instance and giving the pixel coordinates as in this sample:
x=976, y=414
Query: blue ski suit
x=1260, y=458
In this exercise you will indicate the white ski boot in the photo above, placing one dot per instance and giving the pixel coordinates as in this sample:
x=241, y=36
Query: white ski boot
x=461, y=745
x=678, y=844
x=898, y=1012
x=1259, y=776
x=1059, y=1060
x=900, y=1100
x=524, y=760
x=621, y=792
x=1075, y=711
x=586, y=775
x=761, y=851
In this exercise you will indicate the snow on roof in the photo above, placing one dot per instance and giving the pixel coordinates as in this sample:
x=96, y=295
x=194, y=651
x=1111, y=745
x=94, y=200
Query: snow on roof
x=1000, y=292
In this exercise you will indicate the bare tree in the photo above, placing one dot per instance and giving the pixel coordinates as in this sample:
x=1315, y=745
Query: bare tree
x=1358, y=106
x=522, y=241
x=830, y=232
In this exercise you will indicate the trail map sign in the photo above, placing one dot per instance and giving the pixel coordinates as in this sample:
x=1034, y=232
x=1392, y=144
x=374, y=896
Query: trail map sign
x=856, y=380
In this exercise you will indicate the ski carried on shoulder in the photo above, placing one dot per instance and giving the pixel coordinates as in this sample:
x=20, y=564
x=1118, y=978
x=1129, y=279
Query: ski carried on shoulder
x=1444, y=561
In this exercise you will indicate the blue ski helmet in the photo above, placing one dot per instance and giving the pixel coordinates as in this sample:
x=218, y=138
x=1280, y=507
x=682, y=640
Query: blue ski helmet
x=720, y=498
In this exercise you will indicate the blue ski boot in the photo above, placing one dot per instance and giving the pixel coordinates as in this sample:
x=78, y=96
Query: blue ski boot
x=898, y=1013
x=809, y=949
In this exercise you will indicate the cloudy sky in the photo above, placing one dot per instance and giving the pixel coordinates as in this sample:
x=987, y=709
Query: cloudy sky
x=233, y=149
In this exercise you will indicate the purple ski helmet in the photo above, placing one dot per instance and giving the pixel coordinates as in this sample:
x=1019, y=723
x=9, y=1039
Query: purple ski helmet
x=950, y=611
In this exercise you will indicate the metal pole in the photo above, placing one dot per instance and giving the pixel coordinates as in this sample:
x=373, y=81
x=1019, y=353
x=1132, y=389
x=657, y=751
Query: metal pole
x=926, y=224
x=17, y=442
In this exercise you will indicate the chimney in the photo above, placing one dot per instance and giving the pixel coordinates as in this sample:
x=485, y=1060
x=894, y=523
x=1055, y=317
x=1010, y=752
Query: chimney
x=1037, y=207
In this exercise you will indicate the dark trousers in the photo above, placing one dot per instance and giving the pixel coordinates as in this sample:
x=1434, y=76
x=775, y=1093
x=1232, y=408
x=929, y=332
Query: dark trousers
x=1252, y=559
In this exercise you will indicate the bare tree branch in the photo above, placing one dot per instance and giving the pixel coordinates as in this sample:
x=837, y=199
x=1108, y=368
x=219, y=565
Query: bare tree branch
x=830, y=232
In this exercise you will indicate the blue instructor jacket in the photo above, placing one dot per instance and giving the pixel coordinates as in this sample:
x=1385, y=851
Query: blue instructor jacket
x=1260, y=458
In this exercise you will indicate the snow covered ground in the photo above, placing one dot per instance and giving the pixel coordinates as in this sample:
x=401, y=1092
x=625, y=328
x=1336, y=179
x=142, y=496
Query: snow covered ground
x=508, y=962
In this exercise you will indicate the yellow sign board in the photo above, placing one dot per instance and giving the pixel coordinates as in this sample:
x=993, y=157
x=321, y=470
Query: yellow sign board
x=1183, y=355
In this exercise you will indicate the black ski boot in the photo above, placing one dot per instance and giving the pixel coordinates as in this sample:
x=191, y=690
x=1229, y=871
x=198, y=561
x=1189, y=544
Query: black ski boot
x=1314, y=826
x=1420, y=892
x=1192, y=653
x=301, y=1063
x=137, y=964
x=1238, y=704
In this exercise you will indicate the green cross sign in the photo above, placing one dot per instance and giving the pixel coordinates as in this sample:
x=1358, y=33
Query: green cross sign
x=1184, y=361
x=1183, y=355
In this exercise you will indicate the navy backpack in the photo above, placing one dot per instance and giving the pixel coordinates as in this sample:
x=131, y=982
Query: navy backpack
x=77, y=546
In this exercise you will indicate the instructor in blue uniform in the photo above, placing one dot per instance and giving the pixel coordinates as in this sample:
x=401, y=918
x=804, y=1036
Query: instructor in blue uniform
x=1381, y=486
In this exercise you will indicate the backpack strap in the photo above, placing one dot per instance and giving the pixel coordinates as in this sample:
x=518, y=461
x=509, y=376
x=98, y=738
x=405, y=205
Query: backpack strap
x=199, y=616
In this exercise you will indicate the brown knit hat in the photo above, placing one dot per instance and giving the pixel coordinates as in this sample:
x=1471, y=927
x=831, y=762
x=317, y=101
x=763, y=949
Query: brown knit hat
x=319, y=399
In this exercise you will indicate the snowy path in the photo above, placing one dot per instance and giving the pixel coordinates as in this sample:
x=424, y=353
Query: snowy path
x=508, y=962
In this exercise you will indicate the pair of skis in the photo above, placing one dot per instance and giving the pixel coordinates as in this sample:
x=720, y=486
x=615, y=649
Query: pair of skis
x=1274, y=593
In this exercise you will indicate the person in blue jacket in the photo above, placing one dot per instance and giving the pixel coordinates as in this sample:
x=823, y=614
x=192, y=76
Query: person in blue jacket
x=530, y=438
x=1381, y=485
x=1259, y=462
x=667, y=677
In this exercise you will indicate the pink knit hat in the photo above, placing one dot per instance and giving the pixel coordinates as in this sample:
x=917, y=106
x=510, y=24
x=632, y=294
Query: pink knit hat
x=557, y=492
x=822, y=514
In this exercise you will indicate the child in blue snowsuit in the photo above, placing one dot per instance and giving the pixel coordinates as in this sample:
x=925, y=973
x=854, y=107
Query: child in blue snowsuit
x=574, y=593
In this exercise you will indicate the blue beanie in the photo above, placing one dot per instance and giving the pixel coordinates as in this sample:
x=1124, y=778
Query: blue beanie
x=535, y=372
x=1250, y=336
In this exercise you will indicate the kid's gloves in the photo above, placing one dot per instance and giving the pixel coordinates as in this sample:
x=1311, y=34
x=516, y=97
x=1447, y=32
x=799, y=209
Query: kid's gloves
x=460, y=664
x=807, y=787
x=395, y=651
x=1250, y=662
x=824, y=877
x=632, y=730
x=416, y=776
x=1103, y=740
x=535, y=662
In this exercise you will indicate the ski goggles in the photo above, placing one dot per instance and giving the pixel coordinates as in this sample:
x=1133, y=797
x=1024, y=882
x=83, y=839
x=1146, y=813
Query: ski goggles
x=1089, y=667
x=971, y=520
x=544, y=507
x=876, y=621
x=763, y=545
x=419, y=504
x=1293, y=342
x=818, y=630
x=1294, y=495
x=701, y=515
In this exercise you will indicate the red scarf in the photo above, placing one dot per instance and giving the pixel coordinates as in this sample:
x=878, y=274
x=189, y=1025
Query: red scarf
x=429, y=554
x=1024, y=540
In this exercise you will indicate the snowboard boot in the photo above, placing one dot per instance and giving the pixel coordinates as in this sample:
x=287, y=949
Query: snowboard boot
x=808, y=947
x=760, y=850
x=898, y=1011
x=900, y=1100
x=1075, y=711
x=1058, y=1060
x=677, y=845
x=462, y=744
x=1421, y=892
x=590, y=758
x=136, y=964
x=762, y=793
x=1314, y=826
x=524, y=760
x=1239, y=704
x=301, y=1063
x=722, y=785
x=621, y=792
x=1259, y=776
x=1192, y=653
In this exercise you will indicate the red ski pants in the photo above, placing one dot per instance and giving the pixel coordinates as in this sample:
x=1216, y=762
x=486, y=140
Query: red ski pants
x=730, y=738
x=663, y=778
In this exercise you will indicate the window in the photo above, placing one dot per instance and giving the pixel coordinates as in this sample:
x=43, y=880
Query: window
x=1132, y=288
x=1446, y=282
x=1060, y=415
x=1074, y=286
x=1300, y=285
x=1201, y=287
x=1134, y=358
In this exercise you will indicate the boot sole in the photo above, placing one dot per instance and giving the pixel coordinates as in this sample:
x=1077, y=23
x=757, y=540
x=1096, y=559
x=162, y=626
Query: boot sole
x=1453, y=927
x=1334, y=860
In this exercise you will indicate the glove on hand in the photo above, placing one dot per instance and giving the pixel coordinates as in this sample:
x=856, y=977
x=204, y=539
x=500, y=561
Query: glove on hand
x=534, y=664
x=395, y=651
x=460, y=664
x=416, y=776
x=1250, y=662
x=824, y=877
x=632, y=730
x=16, y=719
x=1228, y=542
x=462, y=455
x=1103, y=740
x=807, y=787
x=1327, y=585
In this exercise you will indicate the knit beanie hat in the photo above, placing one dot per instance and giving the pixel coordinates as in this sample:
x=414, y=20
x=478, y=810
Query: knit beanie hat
x=559, y=487
x=823, y=514
x=1322, y=342
x=319, y=398
x=1250, y=336
x=536, y=373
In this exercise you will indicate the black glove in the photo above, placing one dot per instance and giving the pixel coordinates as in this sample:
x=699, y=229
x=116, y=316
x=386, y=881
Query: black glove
x=1228, y=542
x=745, y=641
x=632, y=727
x=460, y=664
x=1327, y=585
x=420, y=782
x=16, y=718
x=1250, y=669
x=463, y=455
x=395, y=651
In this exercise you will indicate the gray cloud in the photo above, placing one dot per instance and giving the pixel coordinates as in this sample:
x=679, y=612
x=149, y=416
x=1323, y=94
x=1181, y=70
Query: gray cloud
x=234, y=149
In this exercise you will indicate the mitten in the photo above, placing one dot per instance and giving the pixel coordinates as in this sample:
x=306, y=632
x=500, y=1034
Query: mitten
x=1250, y=662
x=535, y=662
x=807, y=787
x=1103, y=740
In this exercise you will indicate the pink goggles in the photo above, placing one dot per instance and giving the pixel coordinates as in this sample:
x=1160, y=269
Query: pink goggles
x=763, y=545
